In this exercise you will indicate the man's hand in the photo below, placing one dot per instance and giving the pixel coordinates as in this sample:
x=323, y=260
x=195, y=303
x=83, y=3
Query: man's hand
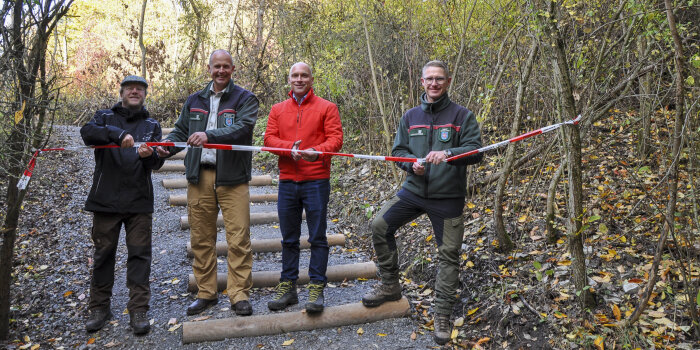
x=127, y=141
x=436, y=157
x=162, y=152
x=144, y=151
x=418, y=169
x=197, y=139
x=308, y=156
x=295, y=151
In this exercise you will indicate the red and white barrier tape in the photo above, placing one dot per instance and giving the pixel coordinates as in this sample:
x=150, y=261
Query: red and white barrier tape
x=22, y=184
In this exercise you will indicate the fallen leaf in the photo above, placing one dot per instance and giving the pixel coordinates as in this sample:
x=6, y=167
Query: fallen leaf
x=91, y=341
x=564, y=263
x=414, y=336
x=472, y=311
x=454, y=334
x=599, y=343
x=202, y=318
x=173, y=328
x=360, y=331
x=616, y=312
x=459, y=322
x=558, y=314
x=429, y=238
x=381, y=334
x=288, y=342
x=484, y=340
x=427, y=291
x=35, y=346
x=172, y=321
x=67, y=294
x=111, y=344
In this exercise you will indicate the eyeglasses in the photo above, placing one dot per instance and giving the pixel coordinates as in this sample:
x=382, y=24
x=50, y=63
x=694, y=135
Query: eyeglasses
x=437, y=80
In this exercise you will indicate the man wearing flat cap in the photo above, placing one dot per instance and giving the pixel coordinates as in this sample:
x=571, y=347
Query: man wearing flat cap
x=122, y=194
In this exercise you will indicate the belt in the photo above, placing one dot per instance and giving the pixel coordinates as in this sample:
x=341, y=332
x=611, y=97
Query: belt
x=207, y=166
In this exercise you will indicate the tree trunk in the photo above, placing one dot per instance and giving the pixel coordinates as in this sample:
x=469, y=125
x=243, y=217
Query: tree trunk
x=461, y=48
x=385, y=123
x=505, y=244
x=551, y=232
x=25, y=64
x=572, y=142
x=677, y=146
x=141, y=45
x=645, y=109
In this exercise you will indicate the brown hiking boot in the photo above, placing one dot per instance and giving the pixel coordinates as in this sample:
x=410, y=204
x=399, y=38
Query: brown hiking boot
x=443, y=328
x=381, y=294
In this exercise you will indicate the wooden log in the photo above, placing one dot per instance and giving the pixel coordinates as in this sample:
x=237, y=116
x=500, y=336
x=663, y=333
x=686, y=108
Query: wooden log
x=280, y=323
x=179, y=156
x=255, y=219
x=172, y=166
x=272, y=245
x=181, y=182
x=261, y=279
x=181, y=199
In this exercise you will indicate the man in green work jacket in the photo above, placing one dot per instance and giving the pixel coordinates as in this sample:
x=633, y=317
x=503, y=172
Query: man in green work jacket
x=435, y=130
x=222, y=113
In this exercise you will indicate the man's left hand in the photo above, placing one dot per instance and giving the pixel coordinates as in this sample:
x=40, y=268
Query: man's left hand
x=144, y=151
x=435, y=157
x=308, y=156
x=197, y=139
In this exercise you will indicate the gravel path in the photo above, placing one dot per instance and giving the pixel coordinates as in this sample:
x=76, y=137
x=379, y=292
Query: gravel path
x=52, y=274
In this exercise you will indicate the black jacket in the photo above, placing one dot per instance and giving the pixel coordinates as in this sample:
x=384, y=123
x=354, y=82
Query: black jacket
x=122, y=180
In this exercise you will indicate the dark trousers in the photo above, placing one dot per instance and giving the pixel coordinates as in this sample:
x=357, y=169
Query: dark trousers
x=448, y=226
x=105, y=236
x=312, y=197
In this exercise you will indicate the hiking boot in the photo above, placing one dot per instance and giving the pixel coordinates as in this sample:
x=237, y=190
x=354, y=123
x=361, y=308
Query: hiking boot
x=139, y=322
x=382, y=293
x=243, y=308
x=315, y=303
x=97, y=319
x=443, y=328
x=286, y=295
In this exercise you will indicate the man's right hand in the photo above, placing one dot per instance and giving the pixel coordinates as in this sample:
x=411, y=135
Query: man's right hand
x=295, y=151
x=162, y=152
x=128, y=141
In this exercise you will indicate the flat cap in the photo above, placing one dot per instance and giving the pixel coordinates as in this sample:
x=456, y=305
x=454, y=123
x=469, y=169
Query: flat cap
x=134, y=79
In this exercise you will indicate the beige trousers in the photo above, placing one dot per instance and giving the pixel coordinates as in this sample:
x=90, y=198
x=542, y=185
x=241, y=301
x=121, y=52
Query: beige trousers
x=203, y=203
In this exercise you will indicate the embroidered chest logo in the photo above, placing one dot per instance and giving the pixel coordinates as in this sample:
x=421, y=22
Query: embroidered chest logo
x=228, y=119
x=444, y=134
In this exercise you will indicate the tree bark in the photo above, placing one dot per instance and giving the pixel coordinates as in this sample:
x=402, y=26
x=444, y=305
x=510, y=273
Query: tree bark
x=141, y=45
x=25, y=64
x=572, y=141
x=677, y=146
x=645, y=109
x=385, y=123
x=505, y=244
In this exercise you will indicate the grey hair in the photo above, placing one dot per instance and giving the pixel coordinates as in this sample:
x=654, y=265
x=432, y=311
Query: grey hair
x=438, y=64
x=211, y=57
x=304, y=63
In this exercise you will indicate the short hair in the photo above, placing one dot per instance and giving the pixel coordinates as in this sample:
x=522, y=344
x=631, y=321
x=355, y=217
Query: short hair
x=220, y=51
x=311, y=71
x=438, y=64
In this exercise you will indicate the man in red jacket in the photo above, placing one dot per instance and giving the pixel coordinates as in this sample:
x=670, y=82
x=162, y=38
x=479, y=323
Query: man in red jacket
x=304, y=123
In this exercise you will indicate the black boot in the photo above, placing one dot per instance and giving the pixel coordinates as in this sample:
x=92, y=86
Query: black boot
x=139, y=322
x=97, y=319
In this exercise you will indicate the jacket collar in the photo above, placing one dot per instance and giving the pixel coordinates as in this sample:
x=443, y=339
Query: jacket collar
x=434, y=107
x=309, y=96
x=206, y=93
x=128, y=114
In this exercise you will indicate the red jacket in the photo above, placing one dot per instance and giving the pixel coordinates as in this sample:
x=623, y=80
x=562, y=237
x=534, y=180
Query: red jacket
x=316, y=123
